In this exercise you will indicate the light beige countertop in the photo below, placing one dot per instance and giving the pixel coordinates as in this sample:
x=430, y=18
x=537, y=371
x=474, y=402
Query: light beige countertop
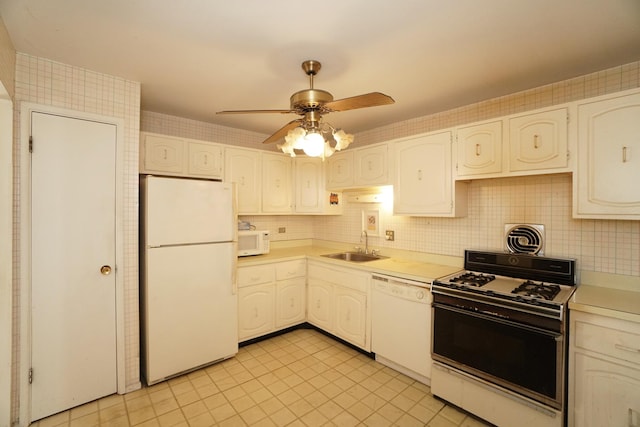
x=424, y=269
x=608, y=295
x=611, y=302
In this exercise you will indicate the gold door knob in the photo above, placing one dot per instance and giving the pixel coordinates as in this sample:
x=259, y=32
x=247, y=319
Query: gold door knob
x=105, y=270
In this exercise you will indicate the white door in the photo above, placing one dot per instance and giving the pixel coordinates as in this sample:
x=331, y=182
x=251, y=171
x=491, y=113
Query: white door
x=73, y=313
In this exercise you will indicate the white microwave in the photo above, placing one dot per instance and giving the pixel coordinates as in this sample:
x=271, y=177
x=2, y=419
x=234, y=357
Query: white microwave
x=253, y=242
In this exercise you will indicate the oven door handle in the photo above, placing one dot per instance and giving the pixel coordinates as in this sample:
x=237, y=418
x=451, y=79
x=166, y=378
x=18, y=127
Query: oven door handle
x=489, y=317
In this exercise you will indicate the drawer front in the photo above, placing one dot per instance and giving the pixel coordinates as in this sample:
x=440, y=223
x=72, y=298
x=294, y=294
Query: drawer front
x=254, y=275
x=348, y=279
x=290, y=269
x=622, y=345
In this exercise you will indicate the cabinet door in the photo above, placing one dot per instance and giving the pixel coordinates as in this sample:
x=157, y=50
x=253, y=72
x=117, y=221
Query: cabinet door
x=423, y=180
x=351, y=315
x=276, y=183
x=163, y=154
x=255, y=310
x=606, y=393
x=371, y=166
x=244, y=168
x=320, y=304
x=290, y=302
x=608, y=170
x=479, y=149
x=309, y=184
x=204, y=160
x=538, y=141
x=340, y=170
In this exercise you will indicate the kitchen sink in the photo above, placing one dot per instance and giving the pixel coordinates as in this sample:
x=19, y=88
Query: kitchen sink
x=355, y=256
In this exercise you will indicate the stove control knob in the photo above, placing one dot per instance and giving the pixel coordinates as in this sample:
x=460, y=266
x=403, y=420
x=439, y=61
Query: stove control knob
x=420, y=295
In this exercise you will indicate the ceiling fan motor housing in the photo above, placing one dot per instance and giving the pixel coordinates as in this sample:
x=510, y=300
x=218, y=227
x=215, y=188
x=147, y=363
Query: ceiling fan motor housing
x=309, y=99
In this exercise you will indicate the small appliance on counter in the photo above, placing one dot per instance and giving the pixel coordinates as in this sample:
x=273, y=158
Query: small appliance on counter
x=253, y=242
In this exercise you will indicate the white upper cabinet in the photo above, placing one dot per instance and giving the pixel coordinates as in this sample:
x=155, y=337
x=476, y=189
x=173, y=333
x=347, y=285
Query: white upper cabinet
x=606, y=183
x=204, y=160
x=310, y=193
x=423, y=183
x=340, y=170
x=479, y=149
x=244, y=168
x=372, y=166
x=531, y=143
x=538, y=141
x=362, y=167
x=277, y=190
x=167, y=155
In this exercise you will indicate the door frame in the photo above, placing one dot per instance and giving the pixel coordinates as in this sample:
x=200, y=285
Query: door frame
x=25, y=246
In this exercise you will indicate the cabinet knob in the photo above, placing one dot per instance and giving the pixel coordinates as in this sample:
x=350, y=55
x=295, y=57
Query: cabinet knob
x=105, y=270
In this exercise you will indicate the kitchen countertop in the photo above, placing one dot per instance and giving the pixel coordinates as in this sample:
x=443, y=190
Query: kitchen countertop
x=617, y=303
x=394, y=266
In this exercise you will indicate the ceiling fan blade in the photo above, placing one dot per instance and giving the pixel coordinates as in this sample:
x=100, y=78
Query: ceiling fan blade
x=280, y=133
x=372, y=99
x=254, y=111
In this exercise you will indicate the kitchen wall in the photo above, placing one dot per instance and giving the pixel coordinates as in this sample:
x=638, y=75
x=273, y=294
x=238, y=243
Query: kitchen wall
x=598, y=245
x=7, y=60
x=46, y=82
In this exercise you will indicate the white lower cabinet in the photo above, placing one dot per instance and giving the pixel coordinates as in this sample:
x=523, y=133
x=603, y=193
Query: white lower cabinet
x=604, y=371
x=270, y=297
x=256, y=310
x=338, y=302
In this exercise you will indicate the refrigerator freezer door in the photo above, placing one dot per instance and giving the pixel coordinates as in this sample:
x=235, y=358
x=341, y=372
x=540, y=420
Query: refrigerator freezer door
x=185, y=211
x=189, y=308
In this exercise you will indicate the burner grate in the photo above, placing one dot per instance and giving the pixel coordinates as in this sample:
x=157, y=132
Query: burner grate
x=473, y=279
x=541, y=290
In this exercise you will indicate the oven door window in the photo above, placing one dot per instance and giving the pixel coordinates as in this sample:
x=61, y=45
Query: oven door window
x=521, y=356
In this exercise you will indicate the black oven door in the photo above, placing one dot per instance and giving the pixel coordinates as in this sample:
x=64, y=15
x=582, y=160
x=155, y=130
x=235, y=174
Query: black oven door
x=523, y=359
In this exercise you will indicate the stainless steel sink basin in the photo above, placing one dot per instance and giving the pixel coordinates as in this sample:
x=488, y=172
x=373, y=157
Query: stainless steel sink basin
x=355, y=256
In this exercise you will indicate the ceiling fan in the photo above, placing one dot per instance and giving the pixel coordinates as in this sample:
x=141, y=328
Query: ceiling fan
x=312, y=104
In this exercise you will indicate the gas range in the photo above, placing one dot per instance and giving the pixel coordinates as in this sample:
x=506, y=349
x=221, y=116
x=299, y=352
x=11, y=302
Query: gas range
x=539, y=285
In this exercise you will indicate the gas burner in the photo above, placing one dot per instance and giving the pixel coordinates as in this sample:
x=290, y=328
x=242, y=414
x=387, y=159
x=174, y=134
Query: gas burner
x=473, y=279
x=533, y=289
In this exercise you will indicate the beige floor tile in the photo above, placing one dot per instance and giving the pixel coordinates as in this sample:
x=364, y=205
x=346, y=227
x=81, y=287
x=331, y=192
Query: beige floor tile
x=83, y=410
x=283, y=417
x=172, y=418
x=91, y=419
x=141, y=415
x=302, y=378
x=223, y=412
x=194, y=409
x=112, y=412
x=166, y=405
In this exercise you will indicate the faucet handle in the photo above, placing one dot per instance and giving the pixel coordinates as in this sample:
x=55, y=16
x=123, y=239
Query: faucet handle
x=375, y=252
x=358, y=249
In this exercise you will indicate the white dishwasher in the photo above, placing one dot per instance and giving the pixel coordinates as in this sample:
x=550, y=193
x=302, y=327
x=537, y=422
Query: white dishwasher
x=401, y=325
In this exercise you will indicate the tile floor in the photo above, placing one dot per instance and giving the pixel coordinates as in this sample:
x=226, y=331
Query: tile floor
x=302, y=378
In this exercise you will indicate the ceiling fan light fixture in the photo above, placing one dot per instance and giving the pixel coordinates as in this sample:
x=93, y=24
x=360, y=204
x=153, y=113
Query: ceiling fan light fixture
x=343, y=139
x=313, y=144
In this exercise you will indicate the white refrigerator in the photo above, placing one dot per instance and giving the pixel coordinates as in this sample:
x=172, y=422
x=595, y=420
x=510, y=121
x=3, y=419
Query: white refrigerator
x=188, y=293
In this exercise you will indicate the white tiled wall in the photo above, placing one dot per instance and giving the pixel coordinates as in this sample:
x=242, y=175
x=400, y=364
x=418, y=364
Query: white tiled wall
x=602, y=246
x=46, y=82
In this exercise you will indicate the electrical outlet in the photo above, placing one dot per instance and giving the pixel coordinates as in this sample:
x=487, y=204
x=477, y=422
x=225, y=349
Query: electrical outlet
x=389, y=235
x=282, y=230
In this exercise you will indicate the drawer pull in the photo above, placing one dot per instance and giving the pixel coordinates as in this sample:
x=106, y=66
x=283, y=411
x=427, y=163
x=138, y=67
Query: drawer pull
x=477, y=150
x=625, y=348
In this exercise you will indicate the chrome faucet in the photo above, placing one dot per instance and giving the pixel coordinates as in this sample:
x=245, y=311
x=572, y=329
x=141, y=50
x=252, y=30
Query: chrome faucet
x=366, y=241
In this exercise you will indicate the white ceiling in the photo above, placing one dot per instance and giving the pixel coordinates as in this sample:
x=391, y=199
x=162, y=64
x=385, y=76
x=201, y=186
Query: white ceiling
x=196, y=57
